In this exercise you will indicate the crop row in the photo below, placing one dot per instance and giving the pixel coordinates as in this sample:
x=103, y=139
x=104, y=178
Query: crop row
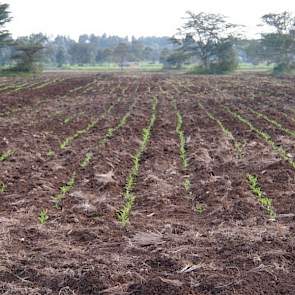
x=264, y=136
x=237, y=145
x=264, y=201
x=128, y=195
x=273, y=122
x=68, y=141
x=111, y=131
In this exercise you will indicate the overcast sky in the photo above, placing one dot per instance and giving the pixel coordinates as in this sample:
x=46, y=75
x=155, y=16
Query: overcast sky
x=129, y=17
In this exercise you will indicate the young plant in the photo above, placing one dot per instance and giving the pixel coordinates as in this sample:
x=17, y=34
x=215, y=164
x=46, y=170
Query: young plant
x=6, y=155
x=67, y=120
x=63, y=190
x=187, y=184
x=43, y=216
x=88, y=157
x=199, y=209
x=129, y=199
x=182, y=141
x=264, y=201
x=50, y=153
x=2, y=187
x=237, y=145
x=273, y=122
x=264, y=136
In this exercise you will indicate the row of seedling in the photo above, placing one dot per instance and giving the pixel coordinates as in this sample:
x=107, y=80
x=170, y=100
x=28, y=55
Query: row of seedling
x=273, y=122
x=264, y=201
x=264, y=136
x=68, y=141
x=182, y=146
x=25, y=87
x=237, y=145
x=66, y=188
x=128, y=195
x=63, y=190
x=111, y=131
x=3, y=157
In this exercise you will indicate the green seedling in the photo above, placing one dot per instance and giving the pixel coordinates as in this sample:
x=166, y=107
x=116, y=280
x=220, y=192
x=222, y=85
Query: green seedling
x=2, y=187
x=264, y=136
x=237, y=145
x=187, y=184
x=199, y=209
x=124, y=213
x=67, y=120
x=50, y=153
x=88, y=157
x=273, y=122
x=264, y=201
x=43, y=216
x=63, y=190
x=6, y=155
x=182, y=140
x=129, y=198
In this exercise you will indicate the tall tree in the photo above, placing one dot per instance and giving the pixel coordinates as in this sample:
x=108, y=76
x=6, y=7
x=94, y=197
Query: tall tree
x=204, y=36
x=279, y=45
x=29, y=53
x=4, y=18
x=120, y=54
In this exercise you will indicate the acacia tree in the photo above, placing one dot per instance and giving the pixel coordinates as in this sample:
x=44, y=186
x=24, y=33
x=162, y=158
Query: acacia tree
x=278, y=46
x=210, y=38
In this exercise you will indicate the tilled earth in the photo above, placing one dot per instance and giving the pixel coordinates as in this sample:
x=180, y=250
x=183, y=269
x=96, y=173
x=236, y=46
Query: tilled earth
x=211, y=237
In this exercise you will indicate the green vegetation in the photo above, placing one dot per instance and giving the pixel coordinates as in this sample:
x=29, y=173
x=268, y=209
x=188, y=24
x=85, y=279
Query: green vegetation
x=182, y=141
x=129, y=198
x=199, y=209
x=88, y=157
x=6, y=155
x=237, y=145
x=2, y=187
x=50, y=153
x=264, y=201
x=273, y=122
x=182, y=146
x=266, y=137
x=210, y=39
x=63, y=190
x=43, y=216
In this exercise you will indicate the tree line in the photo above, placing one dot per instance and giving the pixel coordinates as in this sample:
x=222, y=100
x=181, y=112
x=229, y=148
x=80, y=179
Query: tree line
x=207, y=40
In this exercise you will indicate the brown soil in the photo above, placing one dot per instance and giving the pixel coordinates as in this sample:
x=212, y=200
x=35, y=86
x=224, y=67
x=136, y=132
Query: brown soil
x=231, y=247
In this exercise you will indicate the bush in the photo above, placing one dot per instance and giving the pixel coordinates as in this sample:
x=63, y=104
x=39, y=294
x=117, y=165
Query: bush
x=283, y=69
